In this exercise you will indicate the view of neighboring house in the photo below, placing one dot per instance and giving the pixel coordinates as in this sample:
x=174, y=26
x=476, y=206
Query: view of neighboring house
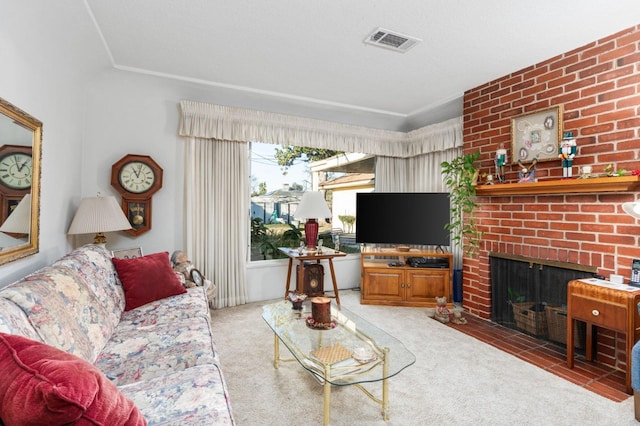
x=343, y=200
x=354, y=173
x=276, y=206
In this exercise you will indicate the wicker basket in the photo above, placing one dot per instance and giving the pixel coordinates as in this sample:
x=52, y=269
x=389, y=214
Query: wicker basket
x=557, y=324
x=530, y=317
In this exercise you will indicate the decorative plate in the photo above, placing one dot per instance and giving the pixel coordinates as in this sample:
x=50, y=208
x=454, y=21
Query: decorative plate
x=364, y=355
x=365, y=360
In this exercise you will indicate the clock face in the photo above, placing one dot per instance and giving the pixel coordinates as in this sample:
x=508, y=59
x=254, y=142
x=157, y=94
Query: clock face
x=16, y=170
x=314, y=283
x=136, y=177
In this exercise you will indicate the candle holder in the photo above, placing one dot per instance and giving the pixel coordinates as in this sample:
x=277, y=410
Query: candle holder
x=296, y=300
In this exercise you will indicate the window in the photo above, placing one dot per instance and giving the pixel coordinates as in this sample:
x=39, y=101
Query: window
x=277, y=189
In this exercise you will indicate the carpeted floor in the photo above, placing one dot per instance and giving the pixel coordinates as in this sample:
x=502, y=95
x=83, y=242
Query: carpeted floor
x=456, y=380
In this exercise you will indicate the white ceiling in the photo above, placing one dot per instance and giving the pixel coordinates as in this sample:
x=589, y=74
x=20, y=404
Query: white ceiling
x=308, y=57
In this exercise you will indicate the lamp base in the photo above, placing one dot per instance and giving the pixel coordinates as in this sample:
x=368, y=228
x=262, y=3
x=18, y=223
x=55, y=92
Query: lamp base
x=311, y=233
x=99, y=238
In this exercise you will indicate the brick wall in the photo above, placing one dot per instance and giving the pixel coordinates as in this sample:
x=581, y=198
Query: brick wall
x=598, y=87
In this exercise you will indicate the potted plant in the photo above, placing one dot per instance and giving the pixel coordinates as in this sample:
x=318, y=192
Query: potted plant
x=460, y=176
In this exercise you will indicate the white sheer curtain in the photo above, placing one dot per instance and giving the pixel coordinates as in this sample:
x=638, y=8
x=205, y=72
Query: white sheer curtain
x=217, y=174
x=420, y=172
x=216, y=208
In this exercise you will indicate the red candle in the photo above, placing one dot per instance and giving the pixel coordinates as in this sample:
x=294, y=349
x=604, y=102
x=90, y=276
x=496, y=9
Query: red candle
x=321, y=310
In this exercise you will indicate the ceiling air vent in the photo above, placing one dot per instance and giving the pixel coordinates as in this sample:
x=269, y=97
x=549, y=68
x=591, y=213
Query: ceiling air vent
x=391, y=40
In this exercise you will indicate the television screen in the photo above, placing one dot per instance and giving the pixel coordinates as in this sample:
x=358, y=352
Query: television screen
x=417, y=218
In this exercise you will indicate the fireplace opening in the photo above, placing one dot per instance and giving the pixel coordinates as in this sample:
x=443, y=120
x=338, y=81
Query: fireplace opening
x=530, y=295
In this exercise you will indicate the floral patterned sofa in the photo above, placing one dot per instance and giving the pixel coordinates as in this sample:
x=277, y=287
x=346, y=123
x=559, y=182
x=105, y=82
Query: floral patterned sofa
x=107, y=340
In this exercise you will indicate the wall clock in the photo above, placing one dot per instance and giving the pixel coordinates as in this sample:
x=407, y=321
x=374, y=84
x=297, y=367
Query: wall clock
x=137, y=178
x=16, y=175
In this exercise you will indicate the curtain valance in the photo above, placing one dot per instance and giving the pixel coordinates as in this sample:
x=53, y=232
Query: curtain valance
x=217, y=122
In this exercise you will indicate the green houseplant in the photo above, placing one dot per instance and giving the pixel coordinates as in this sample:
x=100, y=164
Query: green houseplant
x=460, y=176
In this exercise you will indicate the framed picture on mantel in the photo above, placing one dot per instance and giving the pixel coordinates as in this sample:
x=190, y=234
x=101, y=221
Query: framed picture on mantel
x=536, y=135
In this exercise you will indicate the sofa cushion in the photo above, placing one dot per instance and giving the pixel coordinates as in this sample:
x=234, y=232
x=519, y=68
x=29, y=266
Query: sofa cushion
x=63, y=310
x=173, y=309
x=195, y=396
x=92, y=263
x=147, y=278
x=40, y=384
x=14, y=321
x=137, y=353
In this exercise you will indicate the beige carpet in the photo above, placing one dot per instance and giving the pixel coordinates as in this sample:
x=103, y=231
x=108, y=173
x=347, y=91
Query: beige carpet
x=456, y=380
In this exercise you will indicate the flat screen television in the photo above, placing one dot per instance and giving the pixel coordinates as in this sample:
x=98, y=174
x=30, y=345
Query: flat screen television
x=404, y=218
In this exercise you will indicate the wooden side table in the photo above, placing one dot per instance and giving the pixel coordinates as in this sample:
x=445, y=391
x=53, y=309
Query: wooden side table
x=308, y=256
x=607, y=305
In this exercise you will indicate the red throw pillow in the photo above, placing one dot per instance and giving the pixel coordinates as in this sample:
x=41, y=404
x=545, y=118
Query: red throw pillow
x=40, y=385
x=147, y=278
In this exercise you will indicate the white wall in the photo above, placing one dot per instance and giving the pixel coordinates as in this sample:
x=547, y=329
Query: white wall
x=55, y=68
x=48, y=50
x=138, y=114
x=130, y=113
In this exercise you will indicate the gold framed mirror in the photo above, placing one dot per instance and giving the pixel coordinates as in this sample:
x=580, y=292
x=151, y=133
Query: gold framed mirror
x=20, y=157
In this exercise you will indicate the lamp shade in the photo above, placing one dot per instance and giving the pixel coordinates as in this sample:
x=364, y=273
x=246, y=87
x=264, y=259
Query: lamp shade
x=632, y=209
x=19, y=221
x=312, y=206
x=98, y=215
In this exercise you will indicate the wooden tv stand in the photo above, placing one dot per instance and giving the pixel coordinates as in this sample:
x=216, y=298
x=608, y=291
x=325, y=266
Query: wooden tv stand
x=382, y=284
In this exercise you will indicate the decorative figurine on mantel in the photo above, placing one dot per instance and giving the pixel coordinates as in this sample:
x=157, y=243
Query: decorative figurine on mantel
x=500, y=160
x=489, y=179
x=527, y=174
x=567, y=152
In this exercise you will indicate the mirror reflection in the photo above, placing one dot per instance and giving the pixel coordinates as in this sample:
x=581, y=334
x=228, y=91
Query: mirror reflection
x=20, y=144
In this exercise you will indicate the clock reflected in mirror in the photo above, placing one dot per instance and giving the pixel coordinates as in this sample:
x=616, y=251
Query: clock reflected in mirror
x=16, y=175
x=16, y=170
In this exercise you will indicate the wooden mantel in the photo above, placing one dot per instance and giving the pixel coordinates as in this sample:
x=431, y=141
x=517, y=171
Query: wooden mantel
x=562, y=186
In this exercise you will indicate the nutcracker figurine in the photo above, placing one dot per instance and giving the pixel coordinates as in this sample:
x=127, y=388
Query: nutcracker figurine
x=567, y=152
x=500, y=160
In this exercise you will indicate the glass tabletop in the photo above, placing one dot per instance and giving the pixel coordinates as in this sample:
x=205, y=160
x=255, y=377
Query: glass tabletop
x=353, y=351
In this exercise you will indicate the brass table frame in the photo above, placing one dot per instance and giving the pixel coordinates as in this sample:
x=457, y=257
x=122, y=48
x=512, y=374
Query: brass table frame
x=383, y=402
x=287, y=324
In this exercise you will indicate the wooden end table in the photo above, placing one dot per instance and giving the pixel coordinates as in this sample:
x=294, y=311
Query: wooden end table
x=607, y=305
x=310, y=256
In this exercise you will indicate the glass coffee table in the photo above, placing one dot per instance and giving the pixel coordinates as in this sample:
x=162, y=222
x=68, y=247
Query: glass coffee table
x=349, y=351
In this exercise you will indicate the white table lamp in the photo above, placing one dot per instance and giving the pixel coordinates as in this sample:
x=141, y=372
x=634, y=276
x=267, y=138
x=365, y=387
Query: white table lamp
x=19, y=221
x=312, y=206
x=98, y=215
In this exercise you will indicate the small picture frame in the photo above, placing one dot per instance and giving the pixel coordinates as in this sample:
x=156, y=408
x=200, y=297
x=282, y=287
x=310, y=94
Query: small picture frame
x=197, y=277
x=130, y=253
x=536, y=135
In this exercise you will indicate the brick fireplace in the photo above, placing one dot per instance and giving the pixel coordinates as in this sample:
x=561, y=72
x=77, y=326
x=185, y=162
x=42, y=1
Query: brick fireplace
x=598, y=87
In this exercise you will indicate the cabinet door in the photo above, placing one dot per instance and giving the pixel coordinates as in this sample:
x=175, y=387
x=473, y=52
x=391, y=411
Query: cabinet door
x=425, y=284
x=383, y=284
